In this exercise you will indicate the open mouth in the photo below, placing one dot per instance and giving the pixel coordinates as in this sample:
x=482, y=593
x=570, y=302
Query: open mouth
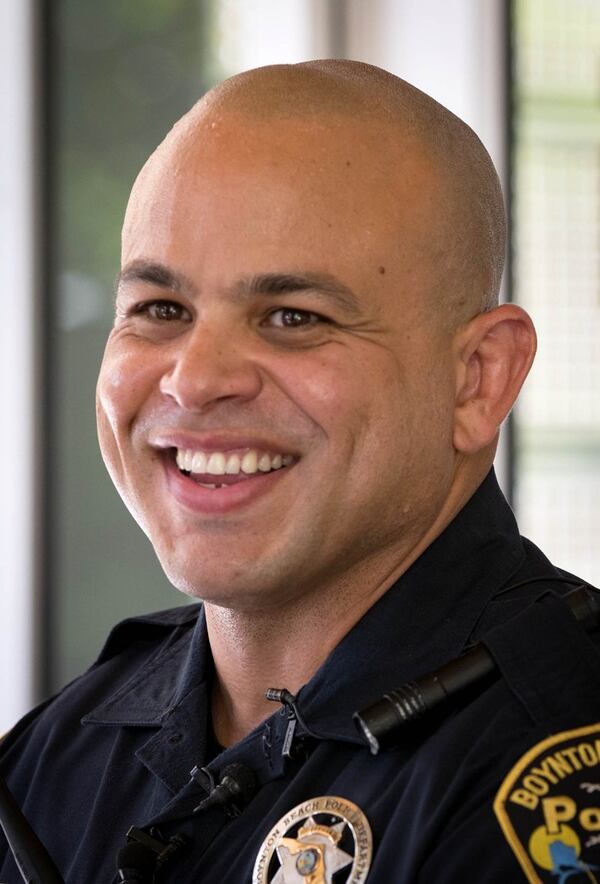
x=218, y=469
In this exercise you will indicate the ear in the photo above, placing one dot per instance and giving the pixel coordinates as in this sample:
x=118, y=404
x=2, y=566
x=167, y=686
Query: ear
x=494, y=352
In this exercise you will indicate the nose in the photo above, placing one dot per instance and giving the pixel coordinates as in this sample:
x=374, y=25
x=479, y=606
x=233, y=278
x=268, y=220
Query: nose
x=210, y=366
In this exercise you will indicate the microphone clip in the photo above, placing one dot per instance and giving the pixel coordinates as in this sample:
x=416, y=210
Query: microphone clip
x=163, y=850
x=236, y=787
x=299, y=740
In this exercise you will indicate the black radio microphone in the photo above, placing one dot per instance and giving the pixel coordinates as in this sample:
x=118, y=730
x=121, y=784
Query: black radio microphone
x=33, y=860
x=236, y=788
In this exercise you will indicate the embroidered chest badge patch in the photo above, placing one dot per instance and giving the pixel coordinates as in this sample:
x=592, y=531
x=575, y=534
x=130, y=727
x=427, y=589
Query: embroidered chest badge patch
x=314, y=841
x=549, y=808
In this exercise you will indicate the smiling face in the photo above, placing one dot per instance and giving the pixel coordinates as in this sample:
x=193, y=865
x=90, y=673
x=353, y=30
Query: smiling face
x=275, y=403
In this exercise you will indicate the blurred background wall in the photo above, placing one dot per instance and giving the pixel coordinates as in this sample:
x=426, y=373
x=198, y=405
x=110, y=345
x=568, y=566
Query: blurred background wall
x=87, y=91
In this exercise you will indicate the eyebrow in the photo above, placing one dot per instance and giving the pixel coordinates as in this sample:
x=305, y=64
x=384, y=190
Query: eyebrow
x=156, y=274
x=324, y=286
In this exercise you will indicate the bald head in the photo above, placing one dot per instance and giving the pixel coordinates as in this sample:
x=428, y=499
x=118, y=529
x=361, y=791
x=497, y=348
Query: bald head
x=409, y=139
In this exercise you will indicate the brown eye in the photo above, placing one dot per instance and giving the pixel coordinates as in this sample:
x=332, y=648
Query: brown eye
x=289, y=317
x=161, y=311
x=164, y=311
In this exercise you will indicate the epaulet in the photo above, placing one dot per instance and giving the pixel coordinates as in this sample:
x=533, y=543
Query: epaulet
x=146, y=627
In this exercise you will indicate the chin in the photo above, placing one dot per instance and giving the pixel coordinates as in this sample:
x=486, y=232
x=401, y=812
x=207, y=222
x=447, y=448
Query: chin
x=204, y=579
x=241, y=586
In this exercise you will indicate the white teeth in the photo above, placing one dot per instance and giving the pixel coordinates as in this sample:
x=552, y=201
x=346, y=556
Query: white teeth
x=199, y=462
x=219, y=463
x=233, y=465
x=249, y=462
x=216, y=464
x=264, y=464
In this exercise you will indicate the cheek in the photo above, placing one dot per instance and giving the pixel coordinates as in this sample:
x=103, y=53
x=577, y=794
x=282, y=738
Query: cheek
x=110, y=394
x=126, y=375
x=349, y=395
x=109, y=406
x=119, y=396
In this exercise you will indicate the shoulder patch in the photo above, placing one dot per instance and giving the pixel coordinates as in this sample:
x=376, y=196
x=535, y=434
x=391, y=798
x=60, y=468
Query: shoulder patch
x=549, y=808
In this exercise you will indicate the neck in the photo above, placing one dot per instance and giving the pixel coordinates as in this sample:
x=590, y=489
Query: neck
x=252, y=654
x=278, y=648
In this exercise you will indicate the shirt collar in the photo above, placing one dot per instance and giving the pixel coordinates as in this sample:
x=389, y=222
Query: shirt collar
x=160, y=684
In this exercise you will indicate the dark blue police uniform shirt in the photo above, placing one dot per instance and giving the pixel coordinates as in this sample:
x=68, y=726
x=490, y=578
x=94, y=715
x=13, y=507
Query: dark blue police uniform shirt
x=115, y=748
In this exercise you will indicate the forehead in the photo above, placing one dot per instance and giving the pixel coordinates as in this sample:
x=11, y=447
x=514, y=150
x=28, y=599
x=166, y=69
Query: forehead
x=319, y=191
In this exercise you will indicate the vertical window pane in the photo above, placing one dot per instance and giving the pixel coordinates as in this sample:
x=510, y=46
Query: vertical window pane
x=557, y=227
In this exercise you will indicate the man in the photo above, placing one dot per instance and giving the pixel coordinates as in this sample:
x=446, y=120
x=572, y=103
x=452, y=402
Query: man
x=299, y=403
